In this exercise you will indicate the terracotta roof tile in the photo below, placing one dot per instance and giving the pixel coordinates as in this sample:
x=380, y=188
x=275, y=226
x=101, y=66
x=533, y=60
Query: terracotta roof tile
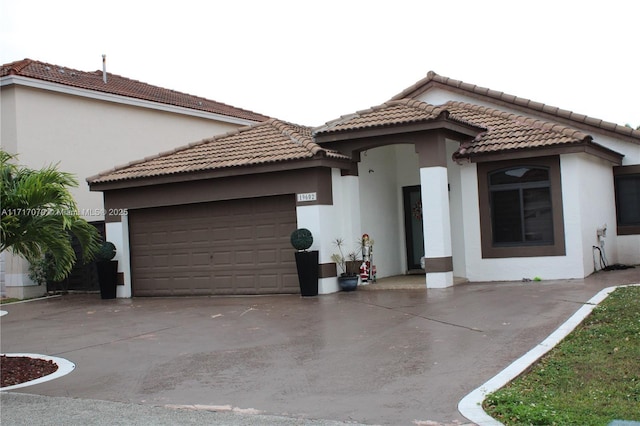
x=508, y=132
x=432, y=79
x=402, y=111
x=268, y=142
x=122, y=86
x=504, y=131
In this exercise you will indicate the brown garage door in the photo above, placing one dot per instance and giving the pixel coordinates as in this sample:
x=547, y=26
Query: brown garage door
x=223, y=247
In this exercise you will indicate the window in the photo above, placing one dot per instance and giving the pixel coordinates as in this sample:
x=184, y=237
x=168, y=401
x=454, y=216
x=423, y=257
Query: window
x=627, y=189
x=521, y=208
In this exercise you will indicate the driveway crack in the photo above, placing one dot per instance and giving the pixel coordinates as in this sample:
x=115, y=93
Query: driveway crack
x=422, y=316
x=114, y=341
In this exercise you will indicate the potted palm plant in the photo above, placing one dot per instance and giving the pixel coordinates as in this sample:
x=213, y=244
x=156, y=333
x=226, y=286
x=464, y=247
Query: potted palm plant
x=348, y=279
x=306, y=261
x=107, y=270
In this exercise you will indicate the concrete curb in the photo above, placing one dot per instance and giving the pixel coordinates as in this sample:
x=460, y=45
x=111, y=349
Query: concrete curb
x=471, y=405
x=64, y=367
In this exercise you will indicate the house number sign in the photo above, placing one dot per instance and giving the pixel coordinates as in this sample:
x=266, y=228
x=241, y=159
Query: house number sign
x=307, y=196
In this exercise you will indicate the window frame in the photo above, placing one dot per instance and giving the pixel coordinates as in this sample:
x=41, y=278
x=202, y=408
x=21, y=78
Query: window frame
x=617, y=172
x=489, y=250
x=520, y=187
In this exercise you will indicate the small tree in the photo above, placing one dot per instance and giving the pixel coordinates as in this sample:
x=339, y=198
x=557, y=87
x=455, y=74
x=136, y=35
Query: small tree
x=39, y=215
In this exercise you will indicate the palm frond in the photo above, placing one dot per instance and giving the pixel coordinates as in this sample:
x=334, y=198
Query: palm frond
x=39, y=215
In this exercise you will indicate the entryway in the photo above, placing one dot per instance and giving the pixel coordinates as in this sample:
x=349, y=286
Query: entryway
x=413, y=227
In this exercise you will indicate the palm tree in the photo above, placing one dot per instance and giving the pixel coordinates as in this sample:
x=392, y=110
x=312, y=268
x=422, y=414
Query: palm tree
x=39, y=215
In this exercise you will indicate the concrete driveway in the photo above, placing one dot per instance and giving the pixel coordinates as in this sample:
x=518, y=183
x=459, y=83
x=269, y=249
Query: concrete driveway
x=397, y=357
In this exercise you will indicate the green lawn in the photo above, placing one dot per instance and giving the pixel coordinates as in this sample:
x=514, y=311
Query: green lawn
x=591, y=378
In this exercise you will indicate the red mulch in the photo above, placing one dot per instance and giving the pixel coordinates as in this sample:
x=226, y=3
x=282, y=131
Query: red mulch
x=20, y=369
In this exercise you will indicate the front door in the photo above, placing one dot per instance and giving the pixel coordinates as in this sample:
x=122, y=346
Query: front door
x=413, y=226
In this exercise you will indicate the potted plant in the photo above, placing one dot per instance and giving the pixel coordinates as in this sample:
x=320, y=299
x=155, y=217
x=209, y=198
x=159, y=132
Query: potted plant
x=348, y=279
x=306, y=261
x=107, y=270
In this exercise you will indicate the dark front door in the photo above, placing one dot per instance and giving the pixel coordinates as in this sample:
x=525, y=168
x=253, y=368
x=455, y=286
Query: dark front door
x=413, y=226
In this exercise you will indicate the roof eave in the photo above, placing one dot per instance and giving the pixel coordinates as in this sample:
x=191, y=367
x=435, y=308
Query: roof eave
x=440, y=123
x=315, y=161
x=110, y=97
x=615, y=158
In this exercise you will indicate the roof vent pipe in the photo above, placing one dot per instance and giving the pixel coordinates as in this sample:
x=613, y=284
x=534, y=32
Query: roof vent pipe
x=104, y=68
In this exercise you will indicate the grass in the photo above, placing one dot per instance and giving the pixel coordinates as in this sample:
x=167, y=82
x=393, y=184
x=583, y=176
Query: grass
x=9, y=300
x=591, y=378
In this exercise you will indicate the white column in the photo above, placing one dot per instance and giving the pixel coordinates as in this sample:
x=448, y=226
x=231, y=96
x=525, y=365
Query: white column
x=437, y=226
x=118, y=234
x=328, y=222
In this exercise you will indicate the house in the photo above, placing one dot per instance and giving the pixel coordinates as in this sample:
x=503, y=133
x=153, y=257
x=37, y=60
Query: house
x=464, y=181
x=88, y=121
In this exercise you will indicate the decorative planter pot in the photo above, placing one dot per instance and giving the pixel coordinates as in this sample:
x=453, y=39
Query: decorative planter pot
x=348, y=283
x=307, y=265
x=108, y=278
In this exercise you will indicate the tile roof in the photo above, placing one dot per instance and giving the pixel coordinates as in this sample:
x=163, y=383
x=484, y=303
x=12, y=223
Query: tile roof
x=263, y=143
x=402, y=111
x=432, y=79
x=499, y=131
x=510, y=132
x=122, y=86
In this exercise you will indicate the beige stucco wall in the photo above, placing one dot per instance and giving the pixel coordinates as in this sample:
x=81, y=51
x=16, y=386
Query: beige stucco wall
x=86, y=136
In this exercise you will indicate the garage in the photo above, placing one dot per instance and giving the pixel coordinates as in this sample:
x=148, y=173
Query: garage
x=229, y=247
x=215, y=217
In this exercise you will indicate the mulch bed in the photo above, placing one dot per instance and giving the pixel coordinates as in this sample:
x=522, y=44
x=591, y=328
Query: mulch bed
x=20, y=369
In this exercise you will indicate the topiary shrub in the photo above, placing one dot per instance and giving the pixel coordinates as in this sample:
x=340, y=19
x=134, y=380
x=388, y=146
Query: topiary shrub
x=107, y=251
x=301, y=239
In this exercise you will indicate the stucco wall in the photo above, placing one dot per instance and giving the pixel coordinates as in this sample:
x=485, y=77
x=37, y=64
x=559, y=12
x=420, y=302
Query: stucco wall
x=8, y=128
x=587, y=203
x=379, y=190
x=328, y=222
x=456, y=209
x=383, y=172
x=623, y=249
x=588, y=193
x=87, y=136
x=118, y=234
x=509, y=269
x=590, y=180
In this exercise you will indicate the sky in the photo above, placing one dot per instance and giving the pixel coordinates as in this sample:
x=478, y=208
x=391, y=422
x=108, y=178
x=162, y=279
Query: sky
x=309, y=62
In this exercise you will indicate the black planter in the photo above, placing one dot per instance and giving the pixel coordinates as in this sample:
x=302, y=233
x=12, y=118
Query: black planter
x=107, y=278
x=348, y=283
x=307, y=264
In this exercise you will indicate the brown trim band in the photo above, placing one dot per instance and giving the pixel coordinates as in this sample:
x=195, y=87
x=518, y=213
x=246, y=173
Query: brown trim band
x=586, y=147
x=432, y=151
x=442, y=123
x=438, y=264
x=628, y=230
x=626, y=170
x=327, y=270
x=288, y=182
